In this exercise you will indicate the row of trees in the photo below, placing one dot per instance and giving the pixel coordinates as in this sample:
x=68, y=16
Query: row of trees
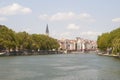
x=110, y=40
x=11, y=40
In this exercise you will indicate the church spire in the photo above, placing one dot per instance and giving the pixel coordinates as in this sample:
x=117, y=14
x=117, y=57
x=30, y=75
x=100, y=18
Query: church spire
x=47, y=30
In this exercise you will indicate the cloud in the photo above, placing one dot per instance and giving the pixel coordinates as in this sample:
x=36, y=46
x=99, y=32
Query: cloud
x=70, y=35
x=26, y=30
x=116, y=20
x=72, y=27
x=14, y=9
x=60, y=16
x=65, y=35
x=60, y=35
x=90, y=34
x=44, y=17
x=3, y=19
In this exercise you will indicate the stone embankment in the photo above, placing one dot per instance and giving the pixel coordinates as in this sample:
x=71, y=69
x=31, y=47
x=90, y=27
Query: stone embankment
x=29, y=52
x=110, y=55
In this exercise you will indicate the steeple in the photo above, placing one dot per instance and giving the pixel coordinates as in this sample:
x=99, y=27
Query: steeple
x=47, y=30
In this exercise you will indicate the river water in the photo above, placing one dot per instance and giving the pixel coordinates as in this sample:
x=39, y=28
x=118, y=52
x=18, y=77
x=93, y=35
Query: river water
x=60, y=67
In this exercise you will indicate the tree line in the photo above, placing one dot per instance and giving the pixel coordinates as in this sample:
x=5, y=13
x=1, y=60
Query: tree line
x=11, y=40
x=110, y=40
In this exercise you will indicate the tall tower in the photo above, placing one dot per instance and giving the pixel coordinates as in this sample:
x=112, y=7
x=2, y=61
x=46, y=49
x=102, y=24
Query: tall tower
x=47, y=30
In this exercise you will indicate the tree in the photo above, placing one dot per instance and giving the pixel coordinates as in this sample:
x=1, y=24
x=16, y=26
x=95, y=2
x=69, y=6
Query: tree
x=9, y=39
x=103, y=41
x=24, y=40
x=110, y=40
x=116, y=45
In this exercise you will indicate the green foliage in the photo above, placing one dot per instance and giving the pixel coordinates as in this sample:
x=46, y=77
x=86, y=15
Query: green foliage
x=116, y=45
x=107, y=40
x=22, y=40
x=103, y=41
x=7, y=37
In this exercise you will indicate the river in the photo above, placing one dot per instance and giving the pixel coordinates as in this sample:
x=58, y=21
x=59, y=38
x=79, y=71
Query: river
x=60, y=67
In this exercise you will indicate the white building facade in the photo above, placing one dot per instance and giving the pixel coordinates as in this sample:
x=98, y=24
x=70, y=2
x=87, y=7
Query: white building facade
x=79, y=44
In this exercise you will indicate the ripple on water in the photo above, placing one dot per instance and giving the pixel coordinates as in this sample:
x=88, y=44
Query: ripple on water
x=67, y=68
x=19, y=74
x=80, y=75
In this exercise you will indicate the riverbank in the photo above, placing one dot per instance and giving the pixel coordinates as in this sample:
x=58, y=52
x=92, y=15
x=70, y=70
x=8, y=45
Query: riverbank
x=29, y=52
x=109, y=55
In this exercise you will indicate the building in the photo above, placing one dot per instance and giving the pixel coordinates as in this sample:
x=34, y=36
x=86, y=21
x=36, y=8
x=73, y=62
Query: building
x=47, y=30
x=78, y=44
x=66, y=44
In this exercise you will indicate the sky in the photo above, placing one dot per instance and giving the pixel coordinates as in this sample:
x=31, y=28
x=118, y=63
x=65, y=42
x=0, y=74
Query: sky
x=66, y=19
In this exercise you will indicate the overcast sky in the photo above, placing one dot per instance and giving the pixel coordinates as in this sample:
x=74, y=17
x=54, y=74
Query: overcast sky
x=65, y=18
